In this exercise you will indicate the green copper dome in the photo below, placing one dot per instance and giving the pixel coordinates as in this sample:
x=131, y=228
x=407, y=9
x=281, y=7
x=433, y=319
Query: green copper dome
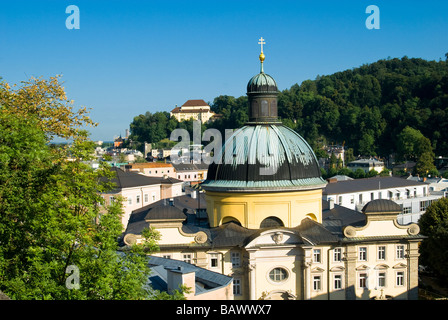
x=262, y=82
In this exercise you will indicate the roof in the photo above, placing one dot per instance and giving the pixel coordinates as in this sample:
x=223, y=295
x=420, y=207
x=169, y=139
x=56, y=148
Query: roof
x=180, y=110
x=338, y=217
x=264, y=157
x=381, y=206
x=190, y=166
x=206, y=280
x=195, y=103
x=367, y=184
x=261, y=82
x=183, y=207
x=126, y=179
x=148, y=165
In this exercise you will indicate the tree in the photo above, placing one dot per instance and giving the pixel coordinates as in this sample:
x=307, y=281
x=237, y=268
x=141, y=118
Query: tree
x=434, y=224
x=58, y=239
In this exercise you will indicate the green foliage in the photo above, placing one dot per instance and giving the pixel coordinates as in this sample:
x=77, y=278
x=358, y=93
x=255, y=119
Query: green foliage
x=368, y=106
x=52, y=215
x=434, y=224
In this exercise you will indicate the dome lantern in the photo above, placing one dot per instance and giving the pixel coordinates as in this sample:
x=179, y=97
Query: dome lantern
x=262, y=93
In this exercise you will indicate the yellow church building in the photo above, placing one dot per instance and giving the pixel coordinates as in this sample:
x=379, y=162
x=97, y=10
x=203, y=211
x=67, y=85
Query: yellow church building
x=262, y=221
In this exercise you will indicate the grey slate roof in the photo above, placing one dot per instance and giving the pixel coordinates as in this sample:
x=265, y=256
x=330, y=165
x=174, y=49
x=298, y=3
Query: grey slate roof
x=381, y=205
x=206, y=280
x=131, y=179
x=367, y=184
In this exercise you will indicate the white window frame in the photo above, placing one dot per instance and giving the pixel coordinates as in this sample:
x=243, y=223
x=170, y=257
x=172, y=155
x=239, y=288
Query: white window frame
x=381, y=279
x=400, y=252
x=400, y=278
x=362, y=253
x=236, y=259
x=187, y=257
x=214, y=260
x=237, y=286
x=381, y=253
x=363, y=278
x=317, y=255
x=317, y=283
x=337, y=255
x=338, y=281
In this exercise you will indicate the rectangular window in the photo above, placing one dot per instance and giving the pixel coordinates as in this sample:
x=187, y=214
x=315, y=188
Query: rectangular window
x=129, y=201
x=237, y=287
x=235, y=256
x=340, y=200
x=407, y=210
x=337, y=281
x=400, y=252
x=337, y=255
x=146, y=197
x=317, y=255
x=111, y=199
x=186, y=258
x=166, y=256
x=138, y=199
x=362, y=254
x=317, y=283
x=422, y=206
x=372, y=197
x=360, y=198
x=381, y=253
x=214, y=260
x=362, y=280
x=400, y=279
x=382, y=279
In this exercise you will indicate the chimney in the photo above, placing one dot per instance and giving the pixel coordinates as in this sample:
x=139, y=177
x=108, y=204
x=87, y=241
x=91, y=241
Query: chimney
x=179, y=276
x=331, y=203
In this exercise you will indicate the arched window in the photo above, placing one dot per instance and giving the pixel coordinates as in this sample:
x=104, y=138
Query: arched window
x=230, y=219
x=271, y=222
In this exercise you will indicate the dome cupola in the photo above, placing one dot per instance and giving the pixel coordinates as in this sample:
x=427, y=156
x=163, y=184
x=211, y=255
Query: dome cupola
x=264, y=154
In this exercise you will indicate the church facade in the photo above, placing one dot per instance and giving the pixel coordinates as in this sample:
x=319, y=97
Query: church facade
x=267, y=227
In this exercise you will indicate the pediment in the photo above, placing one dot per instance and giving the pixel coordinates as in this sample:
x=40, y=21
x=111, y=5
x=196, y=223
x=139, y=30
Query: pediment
x=275, y=237
x=381, y=266
x=362, y=267
x=337, y=269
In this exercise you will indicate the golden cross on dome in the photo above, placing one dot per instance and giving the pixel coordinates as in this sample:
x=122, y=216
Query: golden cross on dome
x=262, y=42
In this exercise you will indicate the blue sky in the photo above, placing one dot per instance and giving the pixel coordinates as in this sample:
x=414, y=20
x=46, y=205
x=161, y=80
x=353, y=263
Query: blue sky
x=129, y=57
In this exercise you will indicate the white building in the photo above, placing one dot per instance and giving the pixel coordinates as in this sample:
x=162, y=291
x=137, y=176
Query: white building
x=366, y=165
x=413, y=196
x=139, y=190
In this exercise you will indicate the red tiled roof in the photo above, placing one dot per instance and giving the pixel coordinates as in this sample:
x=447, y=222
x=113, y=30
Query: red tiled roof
x=195, y=103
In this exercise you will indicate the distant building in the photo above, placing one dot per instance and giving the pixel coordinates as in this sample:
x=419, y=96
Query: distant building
x=366, y=165
x=412, y=196
x=139, y=190
x=152, y=169
x=193, y=109
x=192, y=172
x=168, y=275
